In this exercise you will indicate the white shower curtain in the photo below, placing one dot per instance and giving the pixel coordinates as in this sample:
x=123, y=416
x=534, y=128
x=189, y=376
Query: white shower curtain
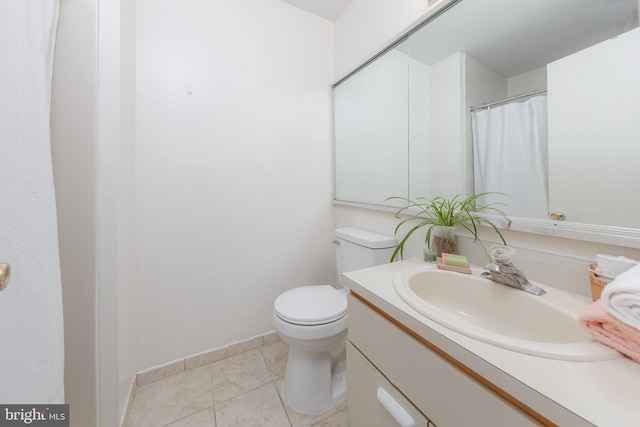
x=510, y=156
x=31, y=324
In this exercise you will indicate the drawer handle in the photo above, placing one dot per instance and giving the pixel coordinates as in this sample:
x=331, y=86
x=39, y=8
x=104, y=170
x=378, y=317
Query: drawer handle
x=398, y=413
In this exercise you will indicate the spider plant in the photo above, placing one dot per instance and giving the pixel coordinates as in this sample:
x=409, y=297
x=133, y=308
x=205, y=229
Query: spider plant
x=439, y=211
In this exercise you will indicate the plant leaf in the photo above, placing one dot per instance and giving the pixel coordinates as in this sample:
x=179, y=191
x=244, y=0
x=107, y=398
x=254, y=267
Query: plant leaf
x=466, y=212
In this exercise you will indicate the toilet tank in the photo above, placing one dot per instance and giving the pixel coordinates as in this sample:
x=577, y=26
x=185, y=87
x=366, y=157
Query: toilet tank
x=356, y=249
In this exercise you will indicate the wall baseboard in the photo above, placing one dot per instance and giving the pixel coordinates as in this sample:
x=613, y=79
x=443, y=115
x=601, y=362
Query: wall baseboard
x=195, y=360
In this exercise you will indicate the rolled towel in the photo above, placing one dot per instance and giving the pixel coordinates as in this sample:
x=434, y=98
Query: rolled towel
x=608, y=330
x=621, y=297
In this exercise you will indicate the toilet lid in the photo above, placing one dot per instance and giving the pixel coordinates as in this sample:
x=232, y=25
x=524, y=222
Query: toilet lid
x=311, y=305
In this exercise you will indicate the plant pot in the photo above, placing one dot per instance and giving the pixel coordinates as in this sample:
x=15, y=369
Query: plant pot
x=443, y=239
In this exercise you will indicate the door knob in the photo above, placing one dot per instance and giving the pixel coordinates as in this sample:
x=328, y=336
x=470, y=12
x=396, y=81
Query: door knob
x=558, y=215
x=5, y=272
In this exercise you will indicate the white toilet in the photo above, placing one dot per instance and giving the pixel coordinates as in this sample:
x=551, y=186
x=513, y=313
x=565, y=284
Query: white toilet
x=312, y=320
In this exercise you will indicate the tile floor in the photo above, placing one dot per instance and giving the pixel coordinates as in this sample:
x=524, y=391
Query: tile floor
x=241, y=390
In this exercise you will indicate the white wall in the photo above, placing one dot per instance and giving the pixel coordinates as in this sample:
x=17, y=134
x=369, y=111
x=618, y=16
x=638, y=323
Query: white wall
x=93, y=174
x=108, y=213
x=234, y=180
x=420, y=106
x=362, y=29
x=447, y=166
x=127, y=289
x=527, y=82
x=563, y=262
x=74, y=150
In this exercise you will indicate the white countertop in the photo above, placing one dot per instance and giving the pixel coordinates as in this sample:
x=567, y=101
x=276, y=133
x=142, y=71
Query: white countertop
x=604, y=393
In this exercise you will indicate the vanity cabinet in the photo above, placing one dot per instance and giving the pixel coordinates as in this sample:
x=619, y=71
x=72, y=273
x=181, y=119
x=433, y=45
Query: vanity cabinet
x=421, y=381
x=374, y=401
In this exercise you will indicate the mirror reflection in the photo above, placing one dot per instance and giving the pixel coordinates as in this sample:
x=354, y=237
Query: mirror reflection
x=538, y=100
x=371, y=126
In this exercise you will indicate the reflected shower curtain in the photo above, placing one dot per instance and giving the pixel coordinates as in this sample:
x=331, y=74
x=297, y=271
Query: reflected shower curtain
x=31, y=324
x=510, y=155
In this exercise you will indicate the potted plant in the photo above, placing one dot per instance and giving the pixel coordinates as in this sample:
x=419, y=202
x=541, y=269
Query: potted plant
x=441, y=216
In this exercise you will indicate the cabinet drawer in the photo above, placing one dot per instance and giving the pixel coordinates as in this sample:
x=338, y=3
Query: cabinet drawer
x=440, y=390
x=372, y=399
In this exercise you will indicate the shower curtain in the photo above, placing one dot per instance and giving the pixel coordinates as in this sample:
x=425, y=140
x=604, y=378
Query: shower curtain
x=510, y=156
x=31, y=324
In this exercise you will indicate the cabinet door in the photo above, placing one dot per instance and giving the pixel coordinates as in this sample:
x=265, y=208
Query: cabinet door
x=373, y=401
x=446, y=394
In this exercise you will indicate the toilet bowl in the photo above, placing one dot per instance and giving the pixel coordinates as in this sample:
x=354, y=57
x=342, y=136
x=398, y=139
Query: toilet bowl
x=312, y=320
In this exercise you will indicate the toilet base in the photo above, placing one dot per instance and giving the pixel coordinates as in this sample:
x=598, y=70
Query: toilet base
x=311, y=385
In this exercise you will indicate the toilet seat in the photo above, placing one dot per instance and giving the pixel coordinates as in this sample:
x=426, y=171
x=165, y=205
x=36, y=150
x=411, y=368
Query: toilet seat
x=311, y=305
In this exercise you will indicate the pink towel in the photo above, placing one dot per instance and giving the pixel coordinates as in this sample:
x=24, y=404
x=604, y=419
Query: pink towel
x=602, y=326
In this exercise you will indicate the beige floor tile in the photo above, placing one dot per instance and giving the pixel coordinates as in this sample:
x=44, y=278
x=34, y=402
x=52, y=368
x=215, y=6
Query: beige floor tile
x=302, y=420
x=339, y=419
x=135, y=412
x=275, y=355
x=238, y=374
x=206, y=418
x=176, y=397
x=258, y=408
x=241, y=387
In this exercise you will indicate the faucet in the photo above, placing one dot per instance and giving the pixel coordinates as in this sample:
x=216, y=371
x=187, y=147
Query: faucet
x=511, y=276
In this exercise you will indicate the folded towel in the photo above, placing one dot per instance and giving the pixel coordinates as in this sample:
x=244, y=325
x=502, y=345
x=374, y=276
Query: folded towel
x=621, y=297
x=611, y=266
x=602, y=326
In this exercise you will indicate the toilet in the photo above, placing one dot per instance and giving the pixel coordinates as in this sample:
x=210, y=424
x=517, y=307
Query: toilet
x=312, y=320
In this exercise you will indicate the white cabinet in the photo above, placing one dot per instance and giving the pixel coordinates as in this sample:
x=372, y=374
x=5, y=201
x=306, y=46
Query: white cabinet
x=374, y=401
x=427, y=383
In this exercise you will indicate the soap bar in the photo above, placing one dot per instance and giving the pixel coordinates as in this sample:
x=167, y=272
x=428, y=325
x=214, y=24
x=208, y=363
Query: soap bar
x=454, y=260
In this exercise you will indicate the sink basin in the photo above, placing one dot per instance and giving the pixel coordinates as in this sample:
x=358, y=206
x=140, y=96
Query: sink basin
x=479, y=308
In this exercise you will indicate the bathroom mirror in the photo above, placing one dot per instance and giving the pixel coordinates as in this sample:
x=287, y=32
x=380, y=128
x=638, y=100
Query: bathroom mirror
x=370, y=122
x=584, y=55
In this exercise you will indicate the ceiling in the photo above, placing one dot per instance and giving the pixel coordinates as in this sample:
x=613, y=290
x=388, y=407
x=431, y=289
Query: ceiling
x=514, y=36
x=510, y=36
x=329, y=9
